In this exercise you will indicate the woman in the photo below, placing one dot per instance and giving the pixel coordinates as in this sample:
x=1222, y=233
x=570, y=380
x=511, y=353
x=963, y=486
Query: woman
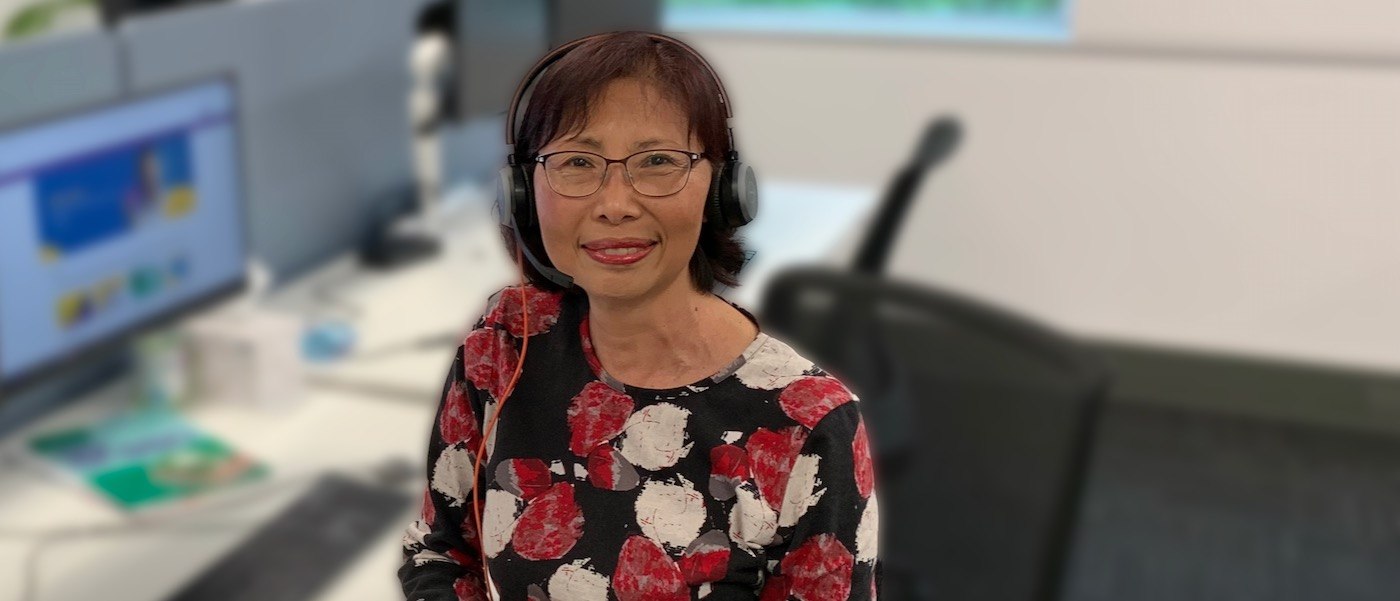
x=655, y=443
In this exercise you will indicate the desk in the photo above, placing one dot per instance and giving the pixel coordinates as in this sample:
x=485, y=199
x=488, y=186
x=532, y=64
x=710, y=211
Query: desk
x=361, y=413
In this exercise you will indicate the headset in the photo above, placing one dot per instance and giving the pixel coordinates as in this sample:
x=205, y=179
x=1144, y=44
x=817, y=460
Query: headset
x=733, y=195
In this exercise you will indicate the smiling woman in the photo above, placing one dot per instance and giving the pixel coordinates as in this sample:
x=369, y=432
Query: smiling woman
x=670, y=100
x=646, y=218
x=657, y=444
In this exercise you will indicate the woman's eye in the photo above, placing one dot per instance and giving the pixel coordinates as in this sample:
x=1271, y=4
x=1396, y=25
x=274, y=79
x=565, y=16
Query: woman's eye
x=579, y=162
x=659, y=160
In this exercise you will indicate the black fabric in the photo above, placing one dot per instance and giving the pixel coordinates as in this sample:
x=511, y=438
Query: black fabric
x=754, y=480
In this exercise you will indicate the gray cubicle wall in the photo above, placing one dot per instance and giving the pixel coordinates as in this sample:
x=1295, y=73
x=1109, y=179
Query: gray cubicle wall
x=323, y=89
x=56, y=74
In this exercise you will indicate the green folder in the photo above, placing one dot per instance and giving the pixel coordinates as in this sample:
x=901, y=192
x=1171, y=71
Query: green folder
x=146, y=458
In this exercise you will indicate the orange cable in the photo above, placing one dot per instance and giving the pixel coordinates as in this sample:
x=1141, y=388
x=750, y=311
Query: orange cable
x=477, y=509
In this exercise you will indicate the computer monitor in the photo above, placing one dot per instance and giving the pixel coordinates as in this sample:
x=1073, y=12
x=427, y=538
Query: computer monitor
x=114, y=220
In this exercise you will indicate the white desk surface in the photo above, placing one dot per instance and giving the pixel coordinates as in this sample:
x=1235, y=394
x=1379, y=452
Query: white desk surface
x=356, y=414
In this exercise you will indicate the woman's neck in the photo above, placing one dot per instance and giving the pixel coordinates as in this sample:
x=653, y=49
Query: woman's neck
x=669, y=340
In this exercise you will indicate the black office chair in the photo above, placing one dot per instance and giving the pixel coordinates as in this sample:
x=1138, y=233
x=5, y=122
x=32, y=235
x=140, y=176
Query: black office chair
x=981, y=421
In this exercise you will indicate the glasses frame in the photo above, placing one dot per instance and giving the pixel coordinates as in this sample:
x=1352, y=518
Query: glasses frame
x=626, y=174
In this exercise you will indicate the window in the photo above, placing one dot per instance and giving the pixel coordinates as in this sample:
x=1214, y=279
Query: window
x=1027, y=20
x=21, y=19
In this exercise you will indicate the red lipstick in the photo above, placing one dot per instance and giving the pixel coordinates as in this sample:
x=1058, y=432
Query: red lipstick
x=618, y=251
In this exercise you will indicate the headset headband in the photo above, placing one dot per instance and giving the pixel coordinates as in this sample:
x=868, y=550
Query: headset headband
x=558, y=53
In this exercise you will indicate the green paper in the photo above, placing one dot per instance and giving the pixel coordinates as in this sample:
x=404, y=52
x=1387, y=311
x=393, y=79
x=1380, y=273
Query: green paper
x=146, y=458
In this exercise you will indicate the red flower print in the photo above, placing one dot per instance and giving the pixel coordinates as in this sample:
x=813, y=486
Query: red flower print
x=865, y=472
x=544, y=310
x=524, y=478
x=490, y=359
x=588, y=353
x=608, y=470
x=429, y=511
x=645, y=573
x=820, y=569
x=461, y=557
x=808, y=399
x=457, y=422
x=729, y=466
x=706, y=559
x=595, y=416
x=771, y=455
x=468, y=590
x=550, y=526
x=774, y=589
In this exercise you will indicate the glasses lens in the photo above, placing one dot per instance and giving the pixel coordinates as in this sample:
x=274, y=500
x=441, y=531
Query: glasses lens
x=659, y=172
x=574, y=173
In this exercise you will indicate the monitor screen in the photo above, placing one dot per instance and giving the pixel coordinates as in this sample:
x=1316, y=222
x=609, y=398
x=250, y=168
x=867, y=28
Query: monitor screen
x=115, y=218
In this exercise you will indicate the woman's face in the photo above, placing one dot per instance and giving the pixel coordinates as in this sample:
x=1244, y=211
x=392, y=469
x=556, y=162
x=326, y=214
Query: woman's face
x=652, y=237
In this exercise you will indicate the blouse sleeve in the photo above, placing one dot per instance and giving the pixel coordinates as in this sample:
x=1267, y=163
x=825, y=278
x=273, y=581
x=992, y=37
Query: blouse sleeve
x=441, y=552
x=831, y=552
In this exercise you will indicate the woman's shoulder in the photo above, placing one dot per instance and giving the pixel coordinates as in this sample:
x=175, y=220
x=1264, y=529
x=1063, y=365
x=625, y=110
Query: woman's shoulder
x=490, y=351
x=804, y=391
x=508, y=309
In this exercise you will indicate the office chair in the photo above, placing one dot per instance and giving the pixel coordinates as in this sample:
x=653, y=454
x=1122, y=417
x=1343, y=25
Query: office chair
x=981, y=421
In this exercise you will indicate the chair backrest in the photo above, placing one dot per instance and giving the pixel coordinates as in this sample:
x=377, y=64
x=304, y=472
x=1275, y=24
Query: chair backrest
x=982, y=421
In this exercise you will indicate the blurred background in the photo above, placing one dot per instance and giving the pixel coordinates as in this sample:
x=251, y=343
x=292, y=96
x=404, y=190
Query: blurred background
x=1115, y=281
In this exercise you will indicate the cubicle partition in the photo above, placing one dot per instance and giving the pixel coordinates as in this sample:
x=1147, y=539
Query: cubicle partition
x=56, y=74
x=324, y=86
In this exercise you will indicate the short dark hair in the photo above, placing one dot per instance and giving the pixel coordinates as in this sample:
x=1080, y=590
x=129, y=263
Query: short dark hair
x=562, y=99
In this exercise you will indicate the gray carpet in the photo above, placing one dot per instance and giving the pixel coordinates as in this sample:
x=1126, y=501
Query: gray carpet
x=1194, y=506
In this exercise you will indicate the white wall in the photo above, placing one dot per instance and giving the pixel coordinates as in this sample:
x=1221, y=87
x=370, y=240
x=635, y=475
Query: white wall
x=1236, y=204
x=1364, y=27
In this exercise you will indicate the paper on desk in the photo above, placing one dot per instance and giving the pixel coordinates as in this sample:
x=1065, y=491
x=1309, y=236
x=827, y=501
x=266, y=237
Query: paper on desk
x=145, y=458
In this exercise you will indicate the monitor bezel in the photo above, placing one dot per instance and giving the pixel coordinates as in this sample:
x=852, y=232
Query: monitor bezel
x=45, y=371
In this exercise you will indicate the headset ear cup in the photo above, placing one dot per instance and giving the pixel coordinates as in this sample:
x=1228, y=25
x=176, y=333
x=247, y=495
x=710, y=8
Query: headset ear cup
x=522, y=197
x=736, y=201
x=505, y=192
x=743, y=194
x=714, y=211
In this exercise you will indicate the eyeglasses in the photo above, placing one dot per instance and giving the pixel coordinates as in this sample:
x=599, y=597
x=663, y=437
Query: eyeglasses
x=575, y=173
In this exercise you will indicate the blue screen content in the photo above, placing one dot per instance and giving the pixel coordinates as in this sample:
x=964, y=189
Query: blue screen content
x=113, y=217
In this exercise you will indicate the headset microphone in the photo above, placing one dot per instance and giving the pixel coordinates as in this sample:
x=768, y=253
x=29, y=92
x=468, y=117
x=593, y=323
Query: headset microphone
x=559, y=278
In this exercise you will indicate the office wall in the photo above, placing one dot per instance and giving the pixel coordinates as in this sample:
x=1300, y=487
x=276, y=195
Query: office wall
x=56, y=74
x=323, y=86
x=1213, y=176
x=1289, y=27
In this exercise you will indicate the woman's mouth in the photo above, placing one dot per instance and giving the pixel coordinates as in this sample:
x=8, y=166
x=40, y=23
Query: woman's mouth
x=618, y=252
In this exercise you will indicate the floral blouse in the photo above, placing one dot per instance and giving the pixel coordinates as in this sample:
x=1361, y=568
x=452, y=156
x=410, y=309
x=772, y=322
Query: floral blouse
x=753, y=483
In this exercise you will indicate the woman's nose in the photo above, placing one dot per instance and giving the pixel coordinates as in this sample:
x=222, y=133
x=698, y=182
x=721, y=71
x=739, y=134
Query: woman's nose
x=617, y=203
